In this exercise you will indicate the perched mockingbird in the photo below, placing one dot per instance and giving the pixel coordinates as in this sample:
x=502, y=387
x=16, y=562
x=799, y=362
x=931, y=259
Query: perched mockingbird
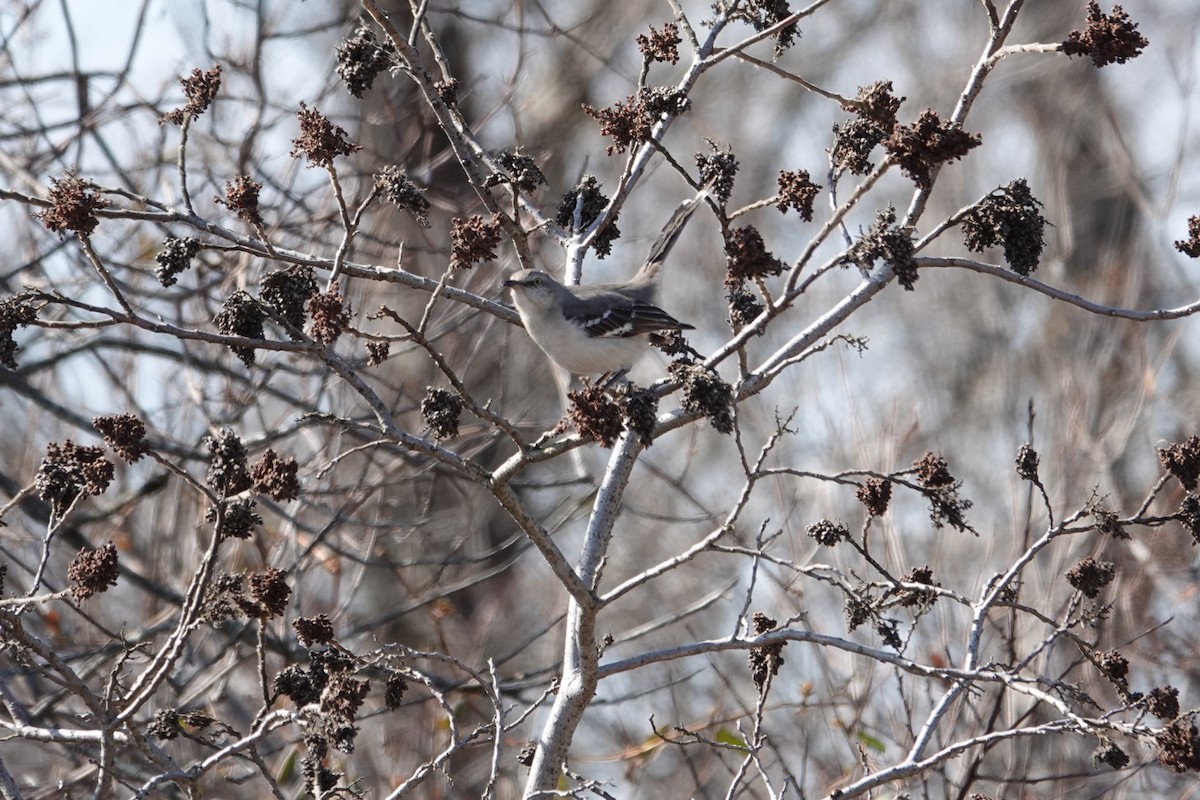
x=600, y=328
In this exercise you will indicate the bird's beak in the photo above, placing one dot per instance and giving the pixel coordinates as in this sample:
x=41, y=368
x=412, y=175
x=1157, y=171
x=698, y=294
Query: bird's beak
x=512, y=282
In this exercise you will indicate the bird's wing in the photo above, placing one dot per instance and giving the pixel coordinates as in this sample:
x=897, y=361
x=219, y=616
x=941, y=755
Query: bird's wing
x=607, y=313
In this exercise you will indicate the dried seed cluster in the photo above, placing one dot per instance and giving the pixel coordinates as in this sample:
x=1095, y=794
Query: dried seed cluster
x=590, y=201
x=199, y=90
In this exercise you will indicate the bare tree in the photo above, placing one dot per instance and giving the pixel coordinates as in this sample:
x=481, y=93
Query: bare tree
x=294, y=504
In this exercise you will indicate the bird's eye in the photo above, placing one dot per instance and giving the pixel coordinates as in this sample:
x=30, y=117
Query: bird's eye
x=537, y=281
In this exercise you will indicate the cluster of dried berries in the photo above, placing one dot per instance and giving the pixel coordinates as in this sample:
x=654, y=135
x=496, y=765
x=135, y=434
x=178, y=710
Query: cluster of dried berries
x=941, y=489
x=236, y=519
x=15, y=312
x=796, y=190
x=241, y=197
x=705, y=393
x=377, y=353
x=275, y=475
x=447, y=91
x=175, y=257
x=887, y=241
x=828, y=533
x=875, y=110
x=69, y=470
x=1107, y=39
x=360, y=59
x=1009, y=216
x=1189, y=515
x=320, y=141
x=630, y=121
x=241, y=315
x=93, y=571
x=640, y=408
x=330, y=681
x=286, y=291
x=473, y=241
x=441, y=409
x=72, y=206
x=918, y=597
x=399, y=190
x=1027, y=463
x=125, y=434
x=763, y=14
x=313, y=630
x=919, y=148
x=765, y=661
x=261, y=595
x=1190, y=246
x=662, y=46
x=1179, y=746
x=1163, y=702
x=1107, y=521
x=717, y=168
x=1182, y=460
x=199, y=89
x=168, y=723
x=747, y=257
x=227, y=471
x=393, y=691
x=1107, y=752
x=672, y=343
x=1090, y=575
x=330, y=316
x=875, y=494
x=520, y=170
x=594, y=415
x=744, y=308
x=589, y=201
x=1115, y=667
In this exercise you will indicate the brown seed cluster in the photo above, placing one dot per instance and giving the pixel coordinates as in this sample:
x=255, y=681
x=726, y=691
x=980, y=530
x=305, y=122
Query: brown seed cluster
x=1179, y=746
x=875, y=110
x=763, y=14
x=828, y=533
x=399, y=190
x=797, y=191
x=236, y=519
x=519, y=170
x=473, y=241
x=590, y=201
x=747, y=257
x=919, y=148
x=705, y=393
x=1163, y=702
x=175, y=257
x=1009, y=216
x=718, y=169
x=1182, y=460
x=73, y=206
x=441, y=409
x=594, y=415
x=241, y=197
x=259, y=595
x=1027, y=463
x=640, y=408
x=941, y=489
x=275, y=475
x=1108, y=38
x=765, y=661
x=320, y=141
x=360, y=60
x=69, y=470
x=377, y=353
x=1108, y=753
x=918, y=597
x=227, y=471
x=1090, y=575
x=286, y=291
x=125, y=434
x=93, y=571
x=744, y=308
x=875, y=494
x=660, y=45
x=15, y=312
x=313, y=630
x=630, y=121
x=199, y=90
x=329, y=314
x=884, y=240
x=1190, y=246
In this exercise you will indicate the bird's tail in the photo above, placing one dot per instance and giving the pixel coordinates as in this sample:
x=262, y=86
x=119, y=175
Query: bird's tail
x=670, y=234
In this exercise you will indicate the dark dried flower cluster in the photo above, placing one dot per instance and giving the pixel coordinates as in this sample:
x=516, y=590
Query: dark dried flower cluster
x=441, y=409
x=1115, y=667
x=175, y=257
x=1108, y=38
x=236, y=519
x=360, y=59
x=69, y=470
x=275, y=475
x=747, y=257
x=765, y=661
x=330, y=316
x=885, y=240
x=1027, y=463
x=1189, y=515
x=763, y=14
x=241, y=197
x=796, y=190
x=320, y=141
x=473, y=241
x=125, y=434
x=199, y=89
x=1009, y=216
x=1179, y=746
x=640, y=407
x=168, y=723
x=447, y=91
x=286, y=291
x=330, y=681
x=705, y=393
x=919, y=148
x=828, y=533
x=93, y=571
x=227, y=471
x=875, y=108
x=72, y=206
x=1163, y=702
x=660, y=45
x=590, y=201
x=1107, y=521
x=1190, y=246
x=1182, y=460
x=393, y=691
x=630, y=121
x=399, y=190
x=1107, y=752
x=918, y=597
x=744, y=308
x=717, y=168
x=15, y=312
x=875, y=494
x=377, y=353
x=941, y=489
x=262, y=595
x=594, y=415
x=241, y=315
x=1090, y=575
x=858, y=610
x=520, y=170
x=269, y=594
x=313, y=630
